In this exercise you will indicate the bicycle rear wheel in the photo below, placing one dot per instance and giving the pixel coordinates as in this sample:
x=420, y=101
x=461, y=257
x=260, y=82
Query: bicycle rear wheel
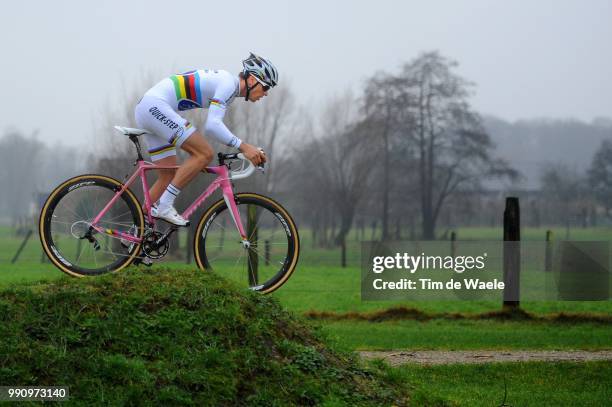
x=271, y=254
x=65, y=226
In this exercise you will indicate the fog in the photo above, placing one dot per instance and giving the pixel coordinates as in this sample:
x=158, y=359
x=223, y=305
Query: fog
x=65, y=61
x=539, y=75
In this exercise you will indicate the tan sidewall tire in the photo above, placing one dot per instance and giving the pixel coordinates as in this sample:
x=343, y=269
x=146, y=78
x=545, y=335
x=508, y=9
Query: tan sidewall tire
x=277, y=206
x=52, y=196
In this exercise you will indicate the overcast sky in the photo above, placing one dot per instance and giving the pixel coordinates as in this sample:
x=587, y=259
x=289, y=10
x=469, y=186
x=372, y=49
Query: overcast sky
x=63, y=62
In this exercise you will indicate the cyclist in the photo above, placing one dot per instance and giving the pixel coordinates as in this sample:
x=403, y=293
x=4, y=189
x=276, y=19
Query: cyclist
x=158, y=112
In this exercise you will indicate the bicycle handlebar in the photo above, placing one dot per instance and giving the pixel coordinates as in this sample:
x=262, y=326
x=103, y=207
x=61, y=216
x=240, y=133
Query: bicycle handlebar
x=244, y=171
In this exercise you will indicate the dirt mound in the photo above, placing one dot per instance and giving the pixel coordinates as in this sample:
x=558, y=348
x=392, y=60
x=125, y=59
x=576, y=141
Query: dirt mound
x=167, y=337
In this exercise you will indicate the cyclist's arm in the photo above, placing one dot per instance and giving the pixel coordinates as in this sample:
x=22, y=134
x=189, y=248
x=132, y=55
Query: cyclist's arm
x=217, y=129
x=225, y=88
x=215, y=126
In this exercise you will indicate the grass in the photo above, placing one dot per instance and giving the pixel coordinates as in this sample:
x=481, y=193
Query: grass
x=172, y=337
x=169, y=337
x=332, y=288
x=467, y=335
x=318, y=286
x=58, y=341
x=515, y=384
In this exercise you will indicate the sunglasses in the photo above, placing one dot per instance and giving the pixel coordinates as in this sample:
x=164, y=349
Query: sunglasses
x=263, y=85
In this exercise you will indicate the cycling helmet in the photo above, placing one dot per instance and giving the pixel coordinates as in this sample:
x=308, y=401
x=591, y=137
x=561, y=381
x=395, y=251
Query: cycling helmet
x=261, y=69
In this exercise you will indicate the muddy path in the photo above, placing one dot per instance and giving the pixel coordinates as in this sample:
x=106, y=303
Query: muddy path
x=432, y=357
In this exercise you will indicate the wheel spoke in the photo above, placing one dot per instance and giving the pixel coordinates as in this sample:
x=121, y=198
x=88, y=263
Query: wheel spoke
x=115, y=217
x=250, y=268
x=76, y=215
x=238, y=260
x=78, y=207
x=266, y=257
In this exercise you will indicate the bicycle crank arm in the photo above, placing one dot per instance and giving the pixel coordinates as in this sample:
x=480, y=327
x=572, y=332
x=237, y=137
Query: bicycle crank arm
x=166, y=235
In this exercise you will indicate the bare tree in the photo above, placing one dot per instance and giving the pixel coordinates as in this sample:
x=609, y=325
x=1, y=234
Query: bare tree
x=268, y=124
x=42, y=165
x=19, y=155
x=452, y=147
x=562, y=187
x=600, y=175
x=114, y=153
x=334, y=173
x=380, y=106
x=337, y=180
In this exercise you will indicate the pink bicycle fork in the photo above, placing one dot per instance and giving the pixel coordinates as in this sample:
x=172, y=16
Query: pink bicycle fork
x=222, y=181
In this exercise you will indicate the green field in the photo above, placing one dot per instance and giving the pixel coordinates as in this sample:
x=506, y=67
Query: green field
x=516, y=384
x=443, y=334
x=321, y=285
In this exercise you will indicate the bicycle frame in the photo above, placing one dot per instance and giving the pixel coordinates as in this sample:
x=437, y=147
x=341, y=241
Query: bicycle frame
x=222, y=181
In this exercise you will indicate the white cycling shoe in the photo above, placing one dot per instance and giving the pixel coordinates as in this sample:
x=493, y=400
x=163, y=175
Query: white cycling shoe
x=170, y=215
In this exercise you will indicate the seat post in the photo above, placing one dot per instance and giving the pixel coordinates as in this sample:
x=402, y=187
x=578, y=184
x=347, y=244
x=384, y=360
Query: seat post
x=134, y=140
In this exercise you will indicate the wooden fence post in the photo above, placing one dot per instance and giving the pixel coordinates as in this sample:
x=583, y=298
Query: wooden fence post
x=548, y=252
x=188, y=253
x=512, y=254
x=25, y=240
x=252, y=232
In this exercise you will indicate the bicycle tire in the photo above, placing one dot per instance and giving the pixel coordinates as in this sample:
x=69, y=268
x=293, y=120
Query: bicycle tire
x=63, y=194
x=275, y=218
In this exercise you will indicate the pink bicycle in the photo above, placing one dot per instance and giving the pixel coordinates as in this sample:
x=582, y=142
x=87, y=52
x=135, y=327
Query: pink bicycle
x=94, y=224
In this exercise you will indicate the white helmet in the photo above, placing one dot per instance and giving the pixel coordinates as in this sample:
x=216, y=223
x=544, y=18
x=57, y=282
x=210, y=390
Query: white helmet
x=261, y=69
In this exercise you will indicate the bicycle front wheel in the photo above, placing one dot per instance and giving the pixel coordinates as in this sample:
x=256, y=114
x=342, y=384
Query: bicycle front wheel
x=265, y=260
x=66, y=232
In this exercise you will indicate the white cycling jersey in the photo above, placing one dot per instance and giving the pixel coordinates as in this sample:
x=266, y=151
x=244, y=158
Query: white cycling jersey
x=158, y=109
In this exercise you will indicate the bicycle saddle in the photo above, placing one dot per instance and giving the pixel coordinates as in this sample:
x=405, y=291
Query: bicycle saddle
x=128, y=131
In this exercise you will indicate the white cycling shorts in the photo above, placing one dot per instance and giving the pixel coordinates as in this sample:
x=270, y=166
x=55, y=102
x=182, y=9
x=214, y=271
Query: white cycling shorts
x=169, y=130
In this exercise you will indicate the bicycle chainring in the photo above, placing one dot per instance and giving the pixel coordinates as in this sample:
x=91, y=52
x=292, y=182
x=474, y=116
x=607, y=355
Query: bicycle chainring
x=155, y=245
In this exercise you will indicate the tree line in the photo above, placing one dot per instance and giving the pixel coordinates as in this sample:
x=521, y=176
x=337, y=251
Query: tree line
x=404, y=153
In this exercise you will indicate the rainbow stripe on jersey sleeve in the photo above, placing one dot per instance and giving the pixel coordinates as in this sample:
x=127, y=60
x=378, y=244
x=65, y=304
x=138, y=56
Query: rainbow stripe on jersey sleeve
x=188, y=91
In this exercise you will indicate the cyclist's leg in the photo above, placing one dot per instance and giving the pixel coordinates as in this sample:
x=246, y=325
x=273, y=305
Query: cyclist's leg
x=168, y=130
x=200, y=155
x=164, y=177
